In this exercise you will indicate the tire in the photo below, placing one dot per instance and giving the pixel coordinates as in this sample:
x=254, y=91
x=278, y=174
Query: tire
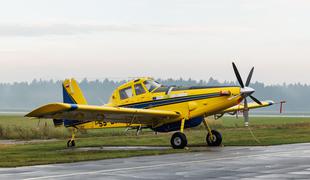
x=178, y=140
x=70, y=143
x=217, y=138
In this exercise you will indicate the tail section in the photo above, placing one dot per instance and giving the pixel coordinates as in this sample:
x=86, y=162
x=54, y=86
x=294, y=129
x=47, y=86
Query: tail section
x=72, y=94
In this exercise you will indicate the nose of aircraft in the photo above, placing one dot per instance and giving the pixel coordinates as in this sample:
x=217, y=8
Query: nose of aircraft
x=247, y=91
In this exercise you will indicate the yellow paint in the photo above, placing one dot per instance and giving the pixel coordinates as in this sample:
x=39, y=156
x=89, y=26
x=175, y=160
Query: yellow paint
x=116, y=114
x=182, y=125
x=253, y=105
x=192, y=105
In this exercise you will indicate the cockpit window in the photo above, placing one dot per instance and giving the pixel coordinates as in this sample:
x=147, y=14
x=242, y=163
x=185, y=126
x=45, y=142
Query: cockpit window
x=125, y=93
x=139, y=89
x=151, y=85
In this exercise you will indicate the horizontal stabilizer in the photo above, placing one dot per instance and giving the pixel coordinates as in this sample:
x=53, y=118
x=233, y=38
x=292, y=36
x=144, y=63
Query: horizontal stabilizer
x=252, y=105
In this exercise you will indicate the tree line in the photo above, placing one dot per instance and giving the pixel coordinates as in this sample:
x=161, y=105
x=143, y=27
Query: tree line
x=28, y=95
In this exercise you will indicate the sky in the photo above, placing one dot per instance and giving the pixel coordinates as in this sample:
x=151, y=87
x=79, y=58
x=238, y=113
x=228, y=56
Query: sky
x=119, y=39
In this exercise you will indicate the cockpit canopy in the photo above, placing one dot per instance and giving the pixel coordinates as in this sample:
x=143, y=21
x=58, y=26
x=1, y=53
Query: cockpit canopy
x=137, y=87
x=142, y=89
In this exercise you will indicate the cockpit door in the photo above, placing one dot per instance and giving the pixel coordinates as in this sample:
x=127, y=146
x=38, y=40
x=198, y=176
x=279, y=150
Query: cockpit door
x=140, y=92
x=126, y=95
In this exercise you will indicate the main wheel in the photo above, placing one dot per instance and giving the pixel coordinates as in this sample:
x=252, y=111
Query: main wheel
x=217, y=138
x=178, y=140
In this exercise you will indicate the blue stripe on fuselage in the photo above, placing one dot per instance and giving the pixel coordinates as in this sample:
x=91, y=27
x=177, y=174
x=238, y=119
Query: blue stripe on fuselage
x=161, y=102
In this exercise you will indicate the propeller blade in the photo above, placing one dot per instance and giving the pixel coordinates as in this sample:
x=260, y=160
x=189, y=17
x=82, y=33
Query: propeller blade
x=246, y=113
x=256, y=100
x=248, y=80
x=238, y=75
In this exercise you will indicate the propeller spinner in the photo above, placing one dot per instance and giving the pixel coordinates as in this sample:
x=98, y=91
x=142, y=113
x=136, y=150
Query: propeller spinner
x=246, y=91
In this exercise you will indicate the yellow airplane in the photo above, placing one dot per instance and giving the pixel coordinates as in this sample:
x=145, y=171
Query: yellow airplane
x=146, y=103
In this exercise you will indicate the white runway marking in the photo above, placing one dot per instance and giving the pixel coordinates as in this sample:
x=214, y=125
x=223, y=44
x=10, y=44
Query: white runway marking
x=106, y=172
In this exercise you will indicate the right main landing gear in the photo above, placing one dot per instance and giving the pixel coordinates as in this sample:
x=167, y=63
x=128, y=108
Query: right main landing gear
x=178, y=140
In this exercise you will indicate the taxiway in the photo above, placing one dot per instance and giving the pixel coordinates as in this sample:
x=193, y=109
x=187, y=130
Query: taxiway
x=263, y=162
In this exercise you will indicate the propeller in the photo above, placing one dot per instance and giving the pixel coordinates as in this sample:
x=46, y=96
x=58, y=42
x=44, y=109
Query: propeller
x=246, y=91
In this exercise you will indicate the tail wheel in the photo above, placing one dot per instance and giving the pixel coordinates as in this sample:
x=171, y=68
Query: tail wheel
x=71, y=143
x=178, y=140
x=216, y=139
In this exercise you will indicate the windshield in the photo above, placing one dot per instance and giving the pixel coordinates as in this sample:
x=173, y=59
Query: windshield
x=151, y=85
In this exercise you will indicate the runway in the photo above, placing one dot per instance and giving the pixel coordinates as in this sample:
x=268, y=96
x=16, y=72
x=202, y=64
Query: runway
x=272, y=162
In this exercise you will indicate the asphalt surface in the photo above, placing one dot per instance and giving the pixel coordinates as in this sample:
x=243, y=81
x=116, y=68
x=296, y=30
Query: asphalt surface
x=272, y=162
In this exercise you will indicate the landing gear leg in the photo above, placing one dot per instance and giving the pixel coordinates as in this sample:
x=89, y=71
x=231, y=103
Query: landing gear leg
x=214, y=138
x=178, y=139
x=71, y=142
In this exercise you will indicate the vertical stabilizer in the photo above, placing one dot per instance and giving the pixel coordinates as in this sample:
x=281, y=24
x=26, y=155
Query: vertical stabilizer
x=72, y=93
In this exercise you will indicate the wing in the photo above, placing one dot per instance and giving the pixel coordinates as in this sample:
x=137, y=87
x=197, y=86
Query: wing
x=252, y=105
x=102, y=113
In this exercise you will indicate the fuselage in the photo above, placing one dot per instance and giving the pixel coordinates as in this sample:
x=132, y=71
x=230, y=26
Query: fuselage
x=193, y=103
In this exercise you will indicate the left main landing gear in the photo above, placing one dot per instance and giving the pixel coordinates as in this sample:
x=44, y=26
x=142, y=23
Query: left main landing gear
x=214, y=138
